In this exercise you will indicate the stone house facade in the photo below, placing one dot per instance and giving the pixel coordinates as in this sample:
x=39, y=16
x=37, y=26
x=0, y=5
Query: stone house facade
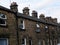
x=21, y=29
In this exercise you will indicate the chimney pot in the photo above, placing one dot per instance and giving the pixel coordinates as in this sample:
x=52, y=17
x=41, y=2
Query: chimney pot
x=34, y=13
x=42, y=16
x=14, y=6
x=26, y=11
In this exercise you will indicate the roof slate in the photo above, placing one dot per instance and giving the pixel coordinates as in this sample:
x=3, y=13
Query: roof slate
x=21, y=15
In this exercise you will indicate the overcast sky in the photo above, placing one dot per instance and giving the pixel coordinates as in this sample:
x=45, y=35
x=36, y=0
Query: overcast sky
x=47, y=7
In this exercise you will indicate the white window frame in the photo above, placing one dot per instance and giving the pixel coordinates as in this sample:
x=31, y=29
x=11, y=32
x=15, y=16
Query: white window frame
x=6, y=39
x=3, y=19
x=24, y=41
x=37, y=25
x=46, y=27
x=3, y=24
x=23, y=24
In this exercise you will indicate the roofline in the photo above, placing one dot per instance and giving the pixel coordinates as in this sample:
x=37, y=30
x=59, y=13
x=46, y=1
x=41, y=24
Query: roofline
x=20, y=15
x=28, y=17
x=6, y=9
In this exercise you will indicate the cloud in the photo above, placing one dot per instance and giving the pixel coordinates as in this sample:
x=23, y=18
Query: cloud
x=54, y=12
x=40, y=4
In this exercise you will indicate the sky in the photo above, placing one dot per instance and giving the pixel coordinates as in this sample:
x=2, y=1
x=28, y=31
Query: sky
x=50, y=8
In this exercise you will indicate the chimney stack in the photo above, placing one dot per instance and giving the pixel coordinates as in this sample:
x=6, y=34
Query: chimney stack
x=55, y=20
x=34, y=14
x=42, y=16
x=14, y=7
x=48, y=19
x=26, y=11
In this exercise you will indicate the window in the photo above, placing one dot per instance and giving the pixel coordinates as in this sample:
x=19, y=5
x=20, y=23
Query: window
x=37, y=28
x=46, y=28
x=58, y=41
x=39, y=42
x=22, y=24
x=30, y=42
x=24, y=41
x=47, y=42
x=3, y=19
x=37, y=25
x=3, y=41
x=51, y=42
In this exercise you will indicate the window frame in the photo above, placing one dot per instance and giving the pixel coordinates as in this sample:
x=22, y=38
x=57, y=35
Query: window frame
x=6, y=40
x=23, y=24
x=3, y=19
x=30, y=41
x=24, y=41
x=39, y=42
x=37, y=25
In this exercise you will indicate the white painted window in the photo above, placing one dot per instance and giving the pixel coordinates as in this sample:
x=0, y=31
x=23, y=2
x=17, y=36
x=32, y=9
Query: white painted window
x=22, y=24
x=30, y=41
x=37, y=25
x=3, y=41
x=38, y=28
x=24, y=41
x=46, y=27
x=3, y=19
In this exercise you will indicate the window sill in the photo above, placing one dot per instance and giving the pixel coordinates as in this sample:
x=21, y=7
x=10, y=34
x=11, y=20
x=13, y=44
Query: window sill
x=3, y=25
x=37, y=31
x=22, y=29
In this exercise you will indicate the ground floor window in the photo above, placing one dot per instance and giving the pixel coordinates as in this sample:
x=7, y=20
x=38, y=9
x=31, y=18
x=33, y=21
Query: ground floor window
x=39, y=42
x=3, y=41
x=24, y=41
x=30, y=41
x=58, y=41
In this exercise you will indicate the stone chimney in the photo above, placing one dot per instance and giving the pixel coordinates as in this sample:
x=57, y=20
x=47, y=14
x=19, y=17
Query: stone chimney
x=48, y=19
x=42, y=16
x=34, y=14
x=14, y=7
x=55, y=20
x=26, y=11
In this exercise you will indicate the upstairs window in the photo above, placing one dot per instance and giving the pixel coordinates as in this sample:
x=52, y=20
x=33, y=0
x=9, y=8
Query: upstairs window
x=39, y=42
x=3, y=41
x=22, y=24
x=3, y=19
x=46, y=28
x=37, y=28
x=37, y=25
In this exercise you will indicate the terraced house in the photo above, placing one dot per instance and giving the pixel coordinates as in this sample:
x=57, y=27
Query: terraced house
x=22, y=29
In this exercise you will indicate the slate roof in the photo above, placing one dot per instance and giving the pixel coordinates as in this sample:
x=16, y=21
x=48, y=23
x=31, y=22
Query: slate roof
x=35, y=19
x=29, y=17
x=5, y=9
